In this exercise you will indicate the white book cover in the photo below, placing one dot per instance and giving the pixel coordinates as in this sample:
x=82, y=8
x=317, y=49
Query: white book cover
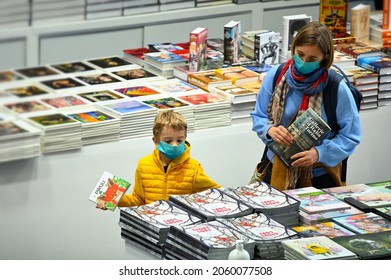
x=290, y=26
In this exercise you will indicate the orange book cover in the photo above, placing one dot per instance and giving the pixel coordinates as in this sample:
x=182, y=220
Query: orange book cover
x=334, y=14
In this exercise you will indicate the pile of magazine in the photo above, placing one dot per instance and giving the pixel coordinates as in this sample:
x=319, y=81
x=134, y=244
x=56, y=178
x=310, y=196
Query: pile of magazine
x=263, y=198
x=266, y=232
x=147, y=226
x=212, y=204
x=204, y=241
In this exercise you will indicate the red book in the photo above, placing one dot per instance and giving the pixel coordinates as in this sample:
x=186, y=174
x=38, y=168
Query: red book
x=197, y=48
x=136, y=55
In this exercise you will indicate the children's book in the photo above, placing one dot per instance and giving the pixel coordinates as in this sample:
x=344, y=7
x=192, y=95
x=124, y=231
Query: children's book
x=109, y=191
x=364, y=223
x=329, y=229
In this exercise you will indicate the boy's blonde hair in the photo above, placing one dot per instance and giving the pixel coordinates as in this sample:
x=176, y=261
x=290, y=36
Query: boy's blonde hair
x=168, y=118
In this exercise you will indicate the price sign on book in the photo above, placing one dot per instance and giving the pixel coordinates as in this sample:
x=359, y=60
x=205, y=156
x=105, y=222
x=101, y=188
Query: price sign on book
x=109, y=191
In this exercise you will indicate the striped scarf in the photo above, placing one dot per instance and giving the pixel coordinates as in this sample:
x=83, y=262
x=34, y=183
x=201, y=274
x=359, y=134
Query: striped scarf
x=312, y=87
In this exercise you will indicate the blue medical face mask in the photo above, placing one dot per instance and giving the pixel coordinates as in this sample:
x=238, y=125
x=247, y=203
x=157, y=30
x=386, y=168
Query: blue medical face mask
x=171, y=151
x=305, y=67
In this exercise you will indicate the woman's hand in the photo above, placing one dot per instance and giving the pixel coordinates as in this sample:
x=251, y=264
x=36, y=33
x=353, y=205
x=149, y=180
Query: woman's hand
x=306, y=158
x=280, y=135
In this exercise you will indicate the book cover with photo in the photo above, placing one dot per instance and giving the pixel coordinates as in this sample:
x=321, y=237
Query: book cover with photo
x=98, y=79
x=371, y=200
x=109, y=190
x=73, y=67
x=334, y=14
x=136, y=55
x=164, y=59
x=291, y=24
x=26, y=106
x=232, y=42
x=91, y=116
x=197, y=48
x=329, y=229
x=9, y=76
x=166, y=103
x=349, y=191
x=235, y=93
x=174, y=86
x=103, y=95
x=35, y=72
x=64, y=101
x=63, y=83
x=109, y=62
x=12, y=129
x=138, y=74
x=128, y=106
x=307, y=130
x=52, y=120
x=26, y=91
x=201, y=98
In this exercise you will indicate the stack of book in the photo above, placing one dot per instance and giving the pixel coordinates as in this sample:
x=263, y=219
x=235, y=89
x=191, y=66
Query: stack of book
x=364, y=223
x=316, y=248
x=18, y=139
x=208, y=79
x=265, y=199
x=372, y=246
x=102, y=8
x=147, y=226
x=59, y=132
x=162, y=63
x=267, y=47
x=136, y=55
x=242, y=100
x=168, y=5
x=266, y=232
x=49, y=12
x=14, y=13
x=380, y=64
x=204, y=241
x=136, y=117
x=209, y=110
x=173, y=87
x=311, y=219
x=212, y=204
x=314, y=201
x=133, y=7
x=97, y=125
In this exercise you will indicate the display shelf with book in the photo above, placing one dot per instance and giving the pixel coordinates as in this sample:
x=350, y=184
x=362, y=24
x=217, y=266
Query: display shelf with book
x=306, y=130
x=108, y=191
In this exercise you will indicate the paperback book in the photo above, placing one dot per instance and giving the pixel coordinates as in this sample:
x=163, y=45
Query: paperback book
x=232, y=42
x=364, y=223
x=329, y=229
x=235, y=93
x=307, y=130
x=197, y=49
x=108, y=191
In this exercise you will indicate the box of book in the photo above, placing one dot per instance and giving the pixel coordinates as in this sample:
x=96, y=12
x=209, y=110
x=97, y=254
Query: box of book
x=108, y=191
x=197, y=50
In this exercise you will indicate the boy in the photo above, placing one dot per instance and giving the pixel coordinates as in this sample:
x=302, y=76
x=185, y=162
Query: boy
x=169, y=169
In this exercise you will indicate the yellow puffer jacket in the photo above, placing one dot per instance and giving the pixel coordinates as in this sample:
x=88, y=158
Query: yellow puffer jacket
x=184, y=176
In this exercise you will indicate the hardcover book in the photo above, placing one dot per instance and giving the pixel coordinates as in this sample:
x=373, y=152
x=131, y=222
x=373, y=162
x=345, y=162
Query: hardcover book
x=97, y=96
x=26, y=91
x=357, y=49
x=37, y=72
x=334, y=14
x=26, y=107
x=208, y=79
x=64, y=101
x=290, y=26
x=342, y=192
x=109, y=191
x=315, y=248
x=307, y=130
x=137, y=91
x=380, y=64
x=197, y=50
x=310, y=219
x=364, y=223
x=136, y=55
x=64, y=83
x=164, y=59
x=266, y=47
x=239, y=74
x=372, y=246
x=329, y=229
x=232, y=42
x=313, y=200
x=109, y=62
x=370, y=200
x=235, y=93
x=360, y=22
x=73, y=67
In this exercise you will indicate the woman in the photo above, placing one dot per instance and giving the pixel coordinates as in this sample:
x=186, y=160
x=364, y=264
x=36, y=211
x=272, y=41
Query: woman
x=298, y=87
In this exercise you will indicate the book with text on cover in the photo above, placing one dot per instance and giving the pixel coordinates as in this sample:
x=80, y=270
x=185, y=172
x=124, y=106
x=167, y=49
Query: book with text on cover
x=360, y=22
x=334, y=14
x=197, y=51
x=109, y=190
x=307, y=131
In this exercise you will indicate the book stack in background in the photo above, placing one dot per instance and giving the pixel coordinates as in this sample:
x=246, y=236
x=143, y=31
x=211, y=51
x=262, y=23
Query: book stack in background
x=265, y=231
x=102, y=8
x=136, y=117
x=147, y=226
x=14, y=13
x=328, y=229
x=197, y=49
x=248, y=42
x=168, y=5
x=18, y=139
x=204, y=241
x=232, y=42
x=359, y=21
x=380, y=64
x=163, y=62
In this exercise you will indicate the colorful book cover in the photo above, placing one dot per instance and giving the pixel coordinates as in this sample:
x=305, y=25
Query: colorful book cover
x=364, y=223
x=371, y=200
x=26, y=91
x=64, y=101
x=173, y=86
x=158, y=47
x=314, y=200
x=133, y=74
x=136, y=91
x=165, y=59
x=26, y=107
x=73, y=67
x=109, y=191
x=10, y=128
x=128, y=106
x=327, y=216
x=201, y=98
x=91, y=117
x=96, y=96
x=317, y=248
x=197, y=49
x=349, y=191
x=232, y=42
x=166, y=103
x=329, y=229
x=334, y=14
